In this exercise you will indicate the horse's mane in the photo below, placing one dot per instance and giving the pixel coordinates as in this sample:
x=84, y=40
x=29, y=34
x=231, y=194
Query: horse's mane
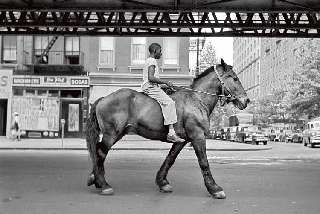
x=205, y=73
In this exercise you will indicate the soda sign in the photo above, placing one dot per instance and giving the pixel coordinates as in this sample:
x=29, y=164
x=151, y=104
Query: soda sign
x=76, y=82
x=5, y=83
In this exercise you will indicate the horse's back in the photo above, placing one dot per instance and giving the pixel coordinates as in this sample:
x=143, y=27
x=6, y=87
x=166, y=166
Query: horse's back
x=129, y=105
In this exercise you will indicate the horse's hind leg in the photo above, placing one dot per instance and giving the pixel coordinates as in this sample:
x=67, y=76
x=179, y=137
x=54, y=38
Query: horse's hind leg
x=97, y=175
x=161, y=179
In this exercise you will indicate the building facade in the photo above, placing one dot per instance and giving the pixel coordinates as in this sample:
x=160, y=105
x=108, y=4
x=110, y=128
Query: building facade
x=50, y=80
x=247, y=63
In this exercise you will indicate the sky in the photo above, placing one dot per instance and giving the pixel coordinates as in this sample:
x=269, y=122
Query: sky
x=224, y=46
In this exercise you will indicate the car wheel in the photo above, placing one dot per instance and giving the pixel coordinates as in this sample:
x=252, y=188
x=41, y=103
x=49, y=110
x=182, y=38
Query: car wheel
x=265, y=143
x=312, y=145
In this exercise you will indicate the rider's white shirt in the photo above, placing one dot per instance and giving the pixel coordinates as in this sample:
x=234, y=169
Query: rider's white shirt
x=149, y=61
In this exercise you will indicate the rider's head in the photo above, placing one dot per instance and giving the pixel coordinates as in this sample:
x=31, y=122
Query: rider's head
x=155, y=50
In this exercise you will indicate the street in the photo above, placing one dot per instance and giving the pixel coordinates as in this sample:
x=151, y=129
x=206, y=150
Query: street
x=283, y=180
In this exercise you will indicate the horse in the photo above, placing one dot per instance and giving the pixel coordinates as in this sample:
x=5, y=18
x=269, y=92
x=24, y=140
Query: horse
x=128, y=110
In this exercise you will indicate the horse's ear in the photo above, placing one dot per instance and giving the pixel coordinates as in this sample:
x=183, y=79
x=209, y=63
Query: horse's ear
x=223, y=64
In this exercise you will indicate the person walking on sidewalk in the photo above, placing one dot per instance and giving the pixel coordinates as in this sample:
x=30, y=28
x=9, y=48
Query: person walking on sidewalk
x=150, y=86
x=15, y=127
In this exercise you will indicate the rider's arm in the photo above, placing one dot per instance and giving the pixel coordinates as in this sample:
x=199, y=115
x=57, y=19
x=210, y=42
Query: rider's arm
x=154, y=79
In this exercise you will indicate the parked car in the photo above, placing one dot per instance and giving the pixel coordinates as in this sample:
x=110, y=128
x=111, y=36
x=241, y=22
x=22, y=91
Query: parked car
x=289, y=138
x=277, y=138
x=256, y=138
x=311, y=136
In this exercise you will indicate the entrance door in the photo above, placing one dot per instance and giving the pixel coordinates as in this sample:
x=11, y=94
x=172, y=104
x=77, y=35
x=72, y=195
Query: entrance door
x=72, y=114
x=3, y=117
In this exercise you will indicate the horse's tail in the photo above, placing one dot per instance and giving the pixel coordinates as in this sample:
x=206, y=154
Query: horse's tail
x=93, y=131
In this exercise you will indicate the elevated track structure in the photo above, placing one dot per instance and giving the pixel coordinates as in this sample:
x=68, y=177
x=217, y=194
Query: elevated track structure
x=179, y=18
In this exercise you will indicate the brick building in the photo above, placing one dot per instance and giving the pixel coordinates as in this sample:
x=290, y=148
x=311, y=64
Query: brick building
x=46, y=79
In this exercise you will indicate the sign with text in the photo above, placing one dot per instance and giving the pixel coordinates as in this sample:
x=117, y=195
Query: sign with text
x=55, y=81
x=5, y=83
x=50, y=81
x=79, y=82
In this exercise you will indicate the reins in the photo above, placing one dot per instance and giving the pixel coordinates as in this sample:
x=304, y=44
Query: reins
x=203, y=92
x=229, y=96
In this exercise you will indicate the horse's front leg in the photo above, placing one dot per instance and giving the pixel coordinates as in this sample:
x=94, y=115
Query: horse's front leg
x=199, y=145
x=161, y=179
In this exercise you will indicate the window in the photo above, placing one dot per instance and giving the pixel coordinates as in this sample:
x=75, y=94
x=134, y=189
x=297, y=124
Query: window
x=42, y=93
x=72, y=47
x=18, y=92
x=170, y=51
x=30, y=93
x=53, y=93
x=9, y=49
x=107, y=50
x=40, y=44
x=138, y=50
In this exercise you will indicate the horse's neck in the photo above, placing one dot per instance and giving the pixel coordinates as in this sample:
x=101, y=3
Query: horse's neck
x=208, y=101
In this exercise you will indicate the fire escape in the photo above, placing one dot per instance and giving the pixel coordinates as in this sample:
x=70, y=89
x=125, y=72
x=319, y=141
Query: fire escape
x=48, y=62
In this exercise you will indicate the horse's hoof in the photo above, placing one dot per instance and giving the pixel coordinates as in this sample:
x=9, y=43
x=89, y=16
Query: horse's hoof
x=166, y=188
x=219, y=195
x=91, y=180
x=108, y=191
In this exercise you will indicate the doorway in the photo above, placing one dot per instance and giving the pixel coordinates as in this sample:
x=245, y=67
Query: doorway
x=3, y=117
x=72, y=114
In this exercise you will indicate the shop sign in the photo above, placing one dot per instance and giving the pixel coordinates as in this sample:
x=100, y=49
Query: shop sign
x=55, y=81
x=5, y=83
x=26, y=81
x=50, y=81
x=79, y=81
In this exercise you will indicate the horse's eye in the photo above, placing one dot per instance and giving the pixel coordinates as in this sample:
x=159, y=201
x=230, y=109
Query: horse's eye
x=235, y=78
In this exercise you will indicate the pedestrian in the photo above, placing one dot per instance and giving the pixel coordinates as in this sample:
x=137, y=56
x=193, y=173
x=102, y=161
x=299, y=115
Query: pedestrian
x=150, y=86
x=15, y=127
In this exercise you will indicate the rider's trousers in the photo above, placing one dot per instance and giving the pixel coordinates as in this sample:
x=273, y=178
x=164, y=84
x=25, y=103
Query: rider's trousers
x=168, y=106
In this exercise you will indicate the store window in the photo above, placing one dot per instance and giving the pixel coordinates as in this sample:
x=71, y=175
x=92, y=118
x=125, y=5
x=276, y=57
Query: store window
x=71, y=93
x=42, y=93
x=53, y=93
x=138, y=50
x=106, y=51
x=30, y=93
x=9, y=49
x=17, y=92
x=170, y=51
x=72, y=50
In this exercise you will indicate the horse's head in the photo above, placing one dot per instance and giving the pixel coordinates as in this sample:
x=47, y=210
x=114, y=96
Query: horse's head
x=231, y=86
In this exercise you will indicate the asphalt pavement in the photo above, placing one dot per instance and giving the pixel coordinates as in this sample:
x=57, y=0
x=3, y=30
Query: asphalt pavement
x=128, y=142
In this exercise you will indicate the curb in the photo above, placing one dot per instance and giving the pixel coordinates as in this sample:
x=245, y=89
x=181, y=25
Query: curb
x=127, y=149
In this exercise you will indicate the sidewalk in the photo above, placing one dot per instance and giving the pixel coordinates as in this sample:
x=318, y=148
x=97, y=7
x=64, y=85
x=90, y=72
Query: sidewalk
x=128, y=142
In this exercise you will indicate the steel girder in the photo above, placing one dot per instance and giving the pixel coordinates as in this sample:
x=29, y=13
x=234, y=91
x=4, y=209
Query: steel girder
x=221, y=18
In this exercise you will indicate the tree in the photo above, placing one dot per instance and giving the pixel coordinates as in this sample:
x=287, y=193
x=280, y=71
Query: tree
x=208, y=56
x=305, y=90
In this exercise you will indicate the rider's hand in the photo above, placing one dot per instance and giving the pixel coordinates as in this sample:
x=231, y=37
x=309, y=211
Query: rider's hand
x=169, y=84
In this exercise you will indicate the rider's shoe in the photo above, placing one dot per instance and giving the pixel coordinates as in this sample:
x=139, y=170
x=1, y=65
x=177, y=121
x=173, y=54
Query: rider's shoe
x=175, y=138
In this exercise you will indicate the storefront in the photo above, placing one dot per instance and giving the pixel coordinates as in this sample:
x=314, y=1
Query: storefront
x=44, y=101
x=5, y=101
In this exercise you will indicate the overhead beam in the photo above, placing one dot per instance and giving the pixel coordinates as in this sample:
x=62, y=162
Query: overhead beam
x=160, y=23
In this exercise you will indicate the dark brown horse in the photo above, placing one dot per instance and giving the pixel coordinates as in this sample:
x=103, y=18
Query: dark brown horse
x=128, y=110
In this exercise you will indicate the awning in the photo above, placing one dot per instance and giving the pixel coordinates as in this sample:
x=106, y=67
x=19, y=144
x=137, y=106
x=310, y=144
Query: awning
x=104, y=90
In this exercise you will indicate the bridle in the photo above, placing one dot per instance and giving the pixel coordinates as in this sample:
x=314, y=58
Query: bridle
x=230, y=97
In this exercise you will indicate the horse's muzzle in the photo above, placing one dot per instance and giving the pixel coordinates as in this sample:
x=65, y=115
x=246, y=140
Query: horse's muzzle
x=242, y=102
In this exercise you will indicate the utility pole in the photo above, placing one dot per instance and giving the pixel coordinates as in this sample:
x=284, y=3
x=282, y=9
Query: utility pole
x=197, y=68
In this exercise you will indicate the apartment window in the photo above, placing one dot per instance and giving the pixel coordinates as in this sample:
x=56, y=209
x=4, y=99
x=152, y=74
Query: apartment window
x=138, y=50
x=9, y=49
x=170, y=51
x=72, y=50
x=40, y=44
x=107, y=50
